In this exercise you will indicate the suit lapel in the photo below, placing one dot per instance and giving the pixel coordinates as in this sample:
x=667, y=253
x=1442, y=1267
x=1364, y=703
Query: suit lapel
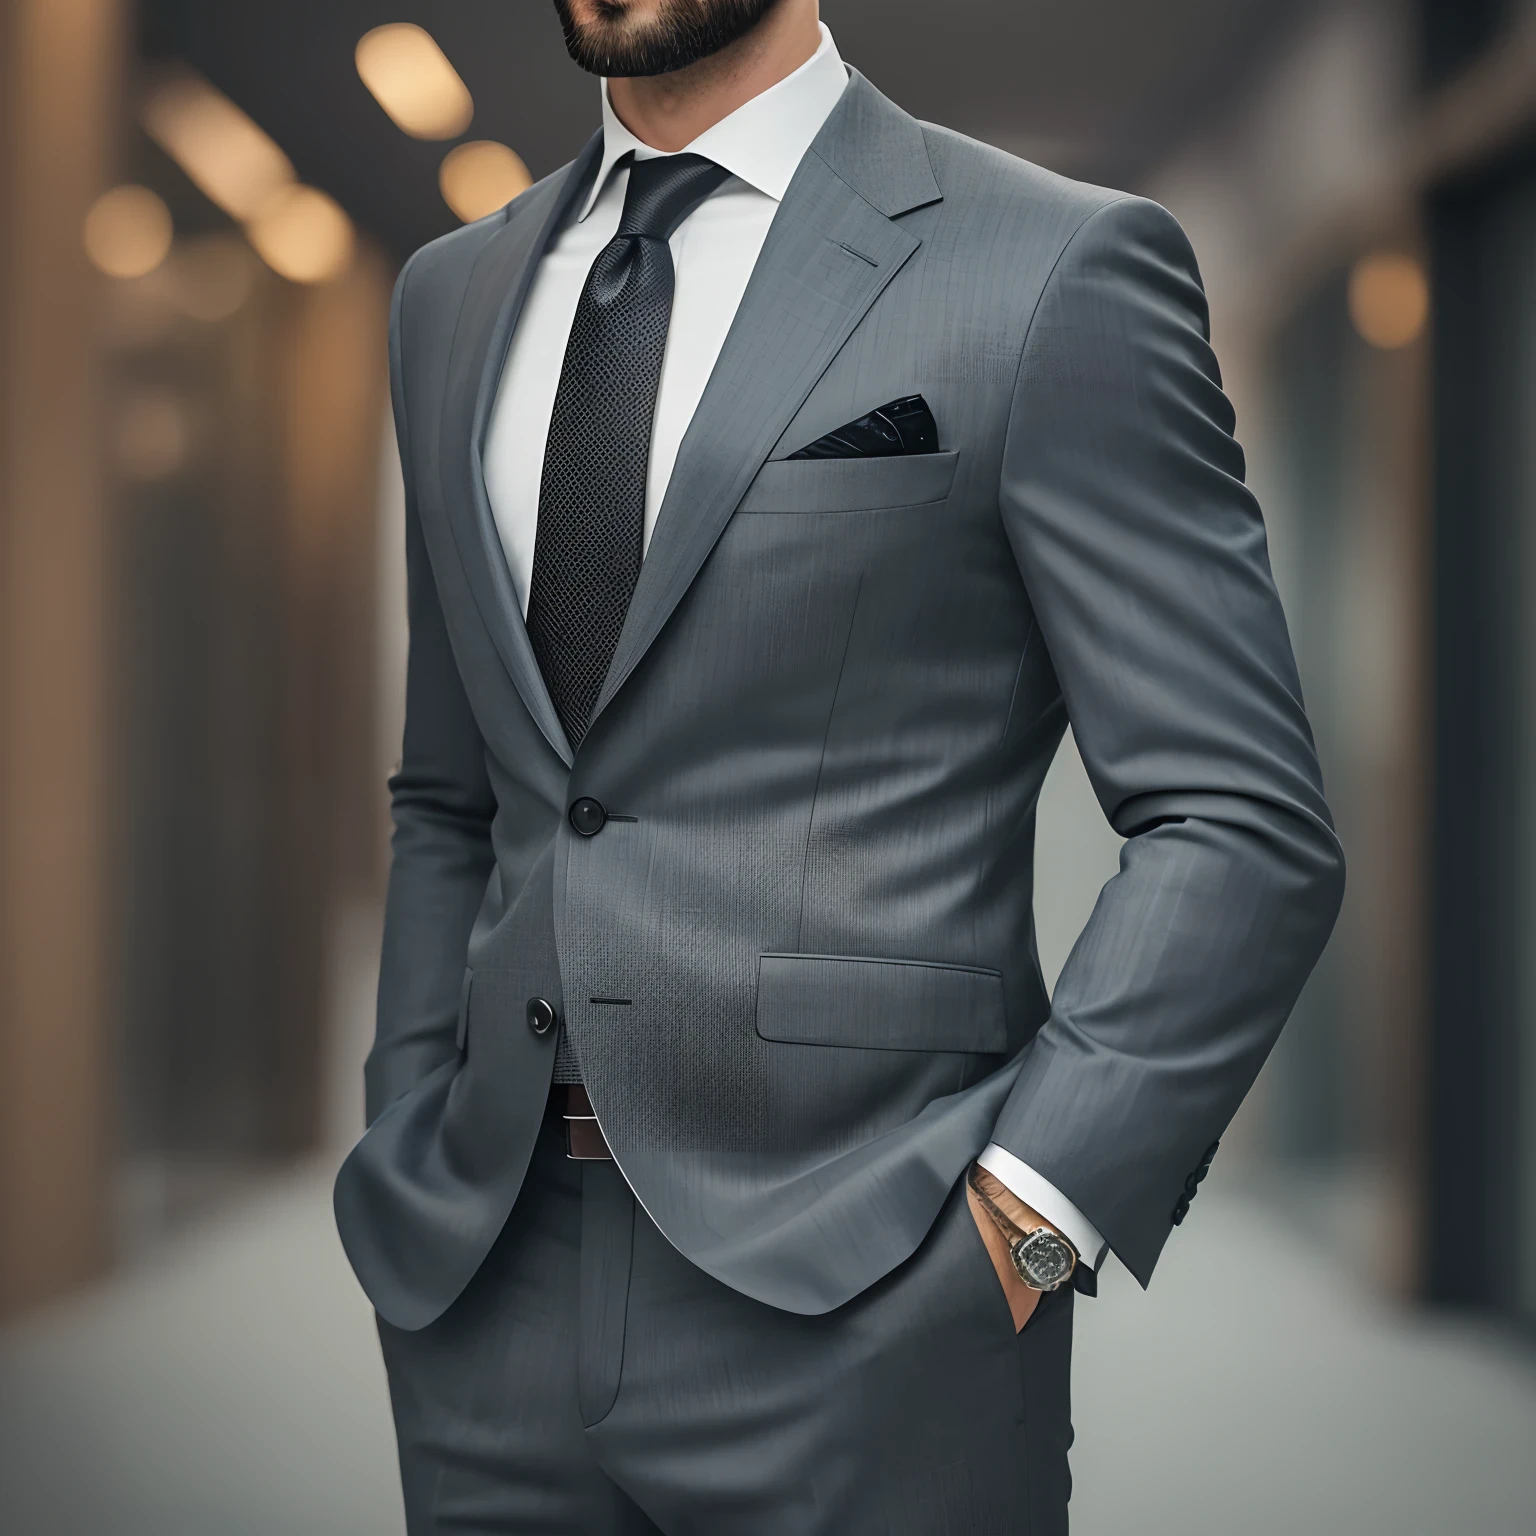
x=831, y=250
x=493, y=300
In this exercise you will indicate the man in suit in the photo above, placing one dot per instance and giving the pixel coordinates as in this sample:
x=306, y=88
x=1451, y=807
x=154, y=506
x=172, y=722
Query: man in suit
x=783, y=475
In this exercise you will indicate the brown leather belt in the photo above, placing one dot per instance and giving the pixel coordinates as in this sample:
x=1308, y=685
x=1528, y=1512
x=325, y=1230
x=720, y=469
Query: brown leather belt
x=584, y=1138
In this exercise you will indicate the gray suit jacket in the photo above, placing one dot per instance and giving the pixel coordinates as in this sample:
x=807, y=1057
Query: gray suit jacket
x=800, y=971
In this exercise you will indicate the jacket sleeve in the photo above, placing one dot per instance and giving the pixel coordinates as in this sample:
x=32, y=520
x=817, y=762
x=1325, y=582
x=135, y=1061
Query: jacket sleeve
x=1146, y=565
x=442, y=805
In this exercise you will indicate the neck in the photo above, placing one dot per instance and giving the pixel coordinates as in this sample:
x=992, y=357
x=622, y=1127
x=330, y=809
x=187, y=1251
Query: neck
x=668, y=112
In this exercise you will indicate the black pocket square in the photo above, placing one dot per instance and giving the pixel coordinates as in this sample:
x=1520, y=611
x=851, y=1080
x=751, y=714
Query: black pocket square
x=902, y=426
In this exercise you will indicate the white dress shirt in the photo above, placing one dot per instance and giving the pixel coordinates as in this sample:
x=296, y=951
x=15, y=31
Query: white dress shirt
x=713, y=253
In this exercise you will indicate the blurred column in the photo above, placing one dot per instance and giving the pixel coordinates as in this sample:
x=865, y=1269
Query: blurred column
x=60, y=63
x=334, y=385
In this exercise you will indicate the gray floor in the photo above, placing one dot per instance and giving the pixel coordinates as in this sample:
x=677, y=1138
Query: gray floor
x=231, y=1386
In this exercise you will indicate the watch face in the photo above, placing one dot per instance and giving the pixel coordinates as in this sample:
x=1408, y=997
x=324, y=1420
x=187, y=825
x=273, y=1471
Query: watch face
x=1043, y=1260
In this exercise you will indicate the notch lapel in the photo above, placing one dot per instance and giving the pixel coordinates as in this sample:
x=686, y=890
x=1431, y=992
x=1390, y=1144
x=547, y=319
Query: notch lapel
x=832, y=248
x=493, y=301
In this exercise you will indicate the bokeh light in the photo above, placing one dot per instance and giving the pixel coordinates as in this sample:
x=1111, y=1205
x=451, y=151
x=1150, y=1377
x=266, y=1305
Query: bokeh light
x=233, y=161
x=151, y=437
x=303, y=235
x=214, y=275
x=479, y=177
x=1389, y=300
x=128, y=231
x=412, y=80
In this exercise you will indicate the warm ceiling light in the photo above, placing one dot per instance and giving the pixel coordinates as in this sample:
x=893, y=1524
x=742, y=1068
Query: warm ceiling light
x=215, y=143
x=480, y=177
x=411, y=78
x=300, y=233
x=303, y=235
x=1389, y=300
x=128, y=232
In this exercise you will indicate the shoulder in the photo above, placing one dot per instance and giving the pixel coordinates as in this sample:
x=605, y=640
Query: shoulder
x=990, y=190
x=440, y=269
x=455, y=251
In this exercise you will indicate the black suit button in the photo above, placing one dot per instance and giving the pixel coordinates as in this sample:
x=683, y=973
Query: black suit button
x=588, y=816
x=1180, y=1211
x=541, y=1015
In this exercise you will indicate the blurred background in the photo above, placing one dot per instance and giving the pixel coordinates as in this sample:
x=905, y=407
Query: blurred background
x=202, y=209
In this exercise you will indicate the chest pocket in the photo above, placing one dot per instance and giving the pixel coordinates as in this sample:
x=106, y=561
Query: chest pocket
x=851, y=485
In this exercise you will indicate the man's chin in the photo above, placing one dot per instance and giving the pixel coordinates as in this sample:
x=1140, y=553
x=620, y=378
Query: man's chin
x=617, y=63
x=682, y=33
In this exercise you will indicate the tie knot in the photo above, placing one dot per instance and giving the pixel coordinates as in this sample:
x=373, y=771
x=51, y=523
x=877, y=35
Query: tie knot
x=664, y=191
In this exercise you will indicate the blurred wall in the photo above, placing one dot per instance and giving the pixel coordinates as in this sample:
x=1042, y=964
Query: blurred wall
x=248, y=810
x=60, y=72
x=1363, y=219
x=190, y=805
x=1276, y=193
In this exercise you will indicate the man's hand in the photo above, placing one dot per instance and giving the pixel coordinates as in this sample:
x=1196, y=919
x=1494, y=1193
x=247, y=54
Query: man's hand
x=1022, y=1299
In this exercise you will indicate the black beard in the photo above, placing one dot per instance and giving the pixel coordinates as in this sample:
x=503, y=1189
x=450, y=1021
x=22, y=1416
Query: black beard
x=685, y=32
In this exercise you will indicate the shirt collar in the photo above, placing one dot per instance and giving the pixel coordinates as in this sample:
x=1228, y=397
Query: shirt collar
x=762, y=141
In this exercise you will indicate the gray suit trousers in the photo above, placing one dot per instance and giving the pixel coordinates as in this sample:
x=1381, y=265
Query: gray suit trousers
x=591, y=1380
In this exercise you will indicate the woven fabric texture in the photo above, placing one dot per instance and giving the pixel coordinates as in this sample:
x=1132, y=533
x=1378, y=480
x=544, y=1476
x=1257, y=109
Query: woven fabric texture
x=592, y=495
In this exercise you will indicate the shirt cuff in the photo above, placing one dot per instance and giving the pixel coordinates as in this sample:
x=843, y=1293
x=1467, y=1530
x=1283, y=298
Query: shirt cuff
x=1043, y=1197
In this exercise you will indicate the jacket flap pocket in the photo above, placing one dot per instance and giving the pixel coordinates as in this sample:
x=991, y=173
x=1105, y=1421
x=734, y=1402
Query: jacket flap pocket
x=893, y=1005
x=851, y=485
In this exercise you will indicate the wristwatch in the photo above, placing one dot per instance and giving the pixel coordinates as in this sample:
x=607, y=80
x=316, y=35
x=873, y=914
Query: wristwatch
x=1044, y=1258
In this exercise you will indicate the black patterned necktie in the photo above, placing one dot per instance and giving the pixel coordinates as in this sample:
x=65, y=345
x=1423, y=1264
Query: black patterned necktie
x=587, y=547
